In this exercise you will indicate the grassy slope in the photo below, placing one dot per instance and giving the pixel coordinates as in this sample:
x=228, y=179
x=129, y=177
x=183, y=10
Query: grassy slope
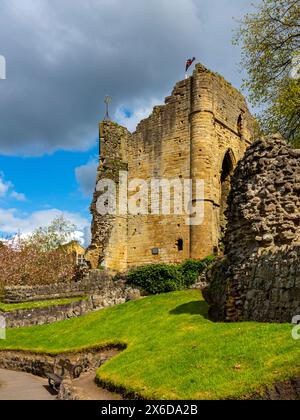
x=173, y=350
x=9, y=307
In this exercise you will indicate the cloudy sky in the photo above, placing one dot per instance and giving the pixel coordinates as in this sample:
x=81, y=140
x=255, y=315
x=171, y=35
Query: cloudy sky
x=63, y=57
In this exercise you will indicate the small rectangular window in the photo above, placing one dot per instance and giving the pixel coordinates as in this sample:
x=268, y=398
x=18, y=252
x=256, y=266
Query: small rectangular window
x=80, y=260
x=179, y=244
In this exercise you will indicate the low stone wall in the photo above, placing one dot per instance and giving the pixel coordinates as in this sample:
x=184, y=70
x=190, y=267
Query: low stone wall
x=69, y=392
x=41, y=316
x=100, y=290
x=36, y=364
x=96, y=281
x=39, y=364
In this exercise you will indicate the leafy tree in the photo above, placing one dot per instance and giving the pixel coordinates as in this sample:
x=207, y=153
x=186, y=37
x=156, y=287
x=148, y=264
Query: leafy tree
x=39, y=258
x=270, y=39
x=54, y=236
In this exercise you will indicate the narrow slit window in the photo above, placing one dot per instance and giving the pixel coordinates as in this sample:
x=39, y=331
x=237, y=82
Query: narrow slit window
x=240, y=125
x=179, y=244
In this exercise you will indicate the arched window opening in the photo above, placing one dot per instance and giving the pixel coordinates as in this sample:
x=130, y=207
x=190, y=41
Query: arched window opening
x=227, y=169
x=240, y=125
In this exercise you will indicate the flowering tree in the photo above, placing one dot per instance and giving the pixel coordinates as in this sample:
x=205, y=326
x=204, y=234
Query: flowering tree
x=40, y=258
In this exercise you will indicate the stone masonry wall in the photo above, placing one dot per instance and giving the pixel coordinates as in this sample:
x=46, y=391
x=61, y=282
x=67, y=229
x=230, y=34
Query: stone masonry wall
x=204, y=121
x=100, y=291
x=48, y=315
x=97, y=282
x=260, y=277
x=39, y=364
x=109, y=232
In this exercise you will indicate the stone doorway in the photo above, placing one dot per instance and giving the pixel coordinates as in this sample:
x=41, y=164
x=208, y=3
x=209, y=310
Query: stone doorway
x=226, y=172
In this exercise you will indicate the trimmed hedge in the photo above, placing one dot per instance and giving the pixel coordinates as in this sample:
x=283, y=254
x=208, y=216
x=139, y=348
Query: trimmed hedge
x=157, y=278
x=163, y=278
x=192, y=269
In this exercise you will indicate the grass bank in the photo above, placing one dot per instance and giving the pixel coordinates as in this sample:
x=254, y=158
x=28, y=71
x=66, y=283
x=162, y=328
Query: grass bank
x=10, y=307
x=173, y=350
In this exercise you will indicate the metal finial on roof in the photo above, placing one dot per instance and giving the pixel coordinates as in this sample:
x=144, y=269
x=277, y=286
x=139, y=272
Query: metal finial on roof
x=107, y=101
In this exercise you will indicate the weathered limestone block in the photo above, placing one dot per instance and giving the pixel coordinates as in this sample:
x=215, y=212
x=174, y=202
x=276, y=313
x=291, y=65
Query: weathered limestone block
x=259, y=279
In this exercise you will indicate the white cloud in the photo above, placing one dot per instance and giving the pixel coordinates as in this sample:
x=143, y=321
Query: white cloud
x=138, y=113
x=86, y=177
x=18, y=196
x=4, y=186
x=86, y=174
x=11, y=222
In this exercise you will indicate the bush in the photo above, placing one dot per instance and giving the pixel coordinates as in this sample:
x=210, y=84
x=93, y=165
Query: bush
x=163, y=278
x=157, y=278
x=192, y=269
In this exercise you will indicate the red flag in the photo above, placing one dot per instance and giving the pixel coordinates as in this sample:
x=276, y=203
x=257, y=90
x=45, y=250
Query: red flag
x=189, y=62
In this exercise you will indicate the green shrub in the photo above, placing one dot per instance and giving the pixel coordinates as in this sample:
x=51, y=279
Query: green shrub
x=163, y=278
x=192, y=269
x=157, y=278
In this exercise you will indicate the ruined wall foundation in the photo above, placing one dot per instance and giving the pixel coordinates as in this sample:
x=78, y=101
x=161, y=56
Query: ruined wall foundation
x=259, y=279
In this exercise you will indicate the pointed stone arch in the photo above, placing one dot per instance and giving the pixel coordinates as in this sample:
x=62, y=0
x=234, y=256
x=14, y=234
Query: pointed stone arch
x=227, y=167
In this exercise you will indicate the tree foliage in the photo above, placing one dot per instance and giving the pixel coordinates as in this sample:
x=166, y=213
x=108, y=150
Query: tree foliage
x=270, y=40
x=53, y=236
x=39, y=258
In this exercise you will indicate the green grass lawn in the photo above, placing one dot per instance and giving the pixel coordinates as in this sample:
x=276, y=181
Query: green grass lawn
x=173, y=351
x=9, y=307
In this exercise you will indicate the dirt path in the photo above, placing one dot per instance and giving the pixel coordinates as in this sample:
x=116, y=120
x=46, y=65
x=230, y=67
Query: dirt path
x=23, y=386
x=87, y=386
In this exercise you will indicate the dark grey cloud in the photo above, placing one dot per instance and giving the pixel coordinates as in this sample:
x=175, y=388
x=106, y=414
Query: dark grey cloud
x=63, y=56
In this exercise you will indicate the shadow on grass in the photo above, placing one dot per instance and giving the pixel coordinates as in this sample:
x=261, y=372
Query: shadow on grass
x=192, y=308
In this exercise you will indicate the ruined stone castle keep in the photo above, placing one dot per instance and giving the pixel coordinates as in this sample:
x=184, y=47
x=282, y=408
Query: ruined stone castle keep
x=259, y=278
x=201, y=132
